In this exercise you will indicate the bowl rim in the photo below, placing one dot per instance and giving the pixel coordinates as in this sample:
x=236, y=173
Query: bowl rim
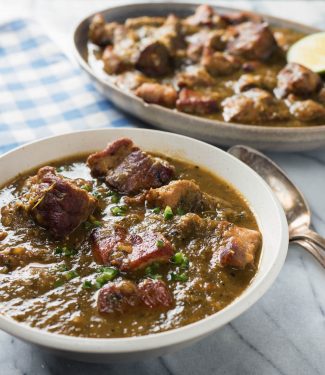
x=172, y=337
x=269, y=129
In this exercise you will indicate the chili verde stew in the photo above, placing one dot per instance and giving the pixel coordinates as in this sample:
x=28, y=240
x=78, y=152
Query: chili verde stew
x=122, y=243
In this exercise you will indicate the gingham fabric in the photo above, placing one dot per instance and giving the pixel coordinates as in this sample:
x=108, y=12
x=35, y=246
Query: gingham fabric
x=42, y=93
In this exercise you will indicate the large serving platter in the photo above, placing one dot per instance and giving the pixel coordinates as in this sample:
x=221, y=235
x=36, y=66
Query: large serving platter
x=213, y=131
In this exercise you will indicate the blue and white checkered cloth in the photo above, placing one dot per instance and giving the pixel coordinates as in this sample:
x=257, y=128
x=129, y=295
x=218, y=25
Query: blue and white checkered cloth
x=42, y=93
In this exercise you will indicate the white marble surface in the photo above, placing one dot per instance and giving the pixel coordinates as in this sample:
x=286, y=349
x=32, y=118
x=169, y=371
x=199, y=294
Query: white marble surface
x=284, y=333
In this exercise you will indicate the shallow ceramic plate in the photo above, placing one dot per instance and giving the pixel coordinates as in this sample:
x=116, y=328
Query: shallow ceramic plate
x=270, y=218
x=218, y=132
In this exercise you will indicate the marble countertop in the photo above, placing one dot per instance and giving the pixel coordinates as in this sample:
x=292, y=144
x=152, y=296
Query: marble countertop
x=284, y=333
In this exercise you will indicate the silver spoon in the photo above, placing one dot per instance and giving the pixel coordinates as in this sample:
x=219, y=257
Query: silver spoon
x=294, y=204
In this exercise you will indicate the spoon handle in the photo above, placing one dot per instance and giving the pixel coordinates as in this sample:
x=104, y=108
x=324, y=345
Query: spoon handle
x=317, y=251
x=311, y=236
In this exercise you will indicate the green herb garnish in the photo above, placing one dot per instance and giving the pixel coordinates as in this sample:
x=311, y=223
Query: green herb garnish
x=59, y=169
x=180, y=211
x=179, y=276
x=107, y=274
x=180, y=260
x=151, y=271
x=87, y=284
x=86, y=187
x=156, y=210
x=64, y=250
x=160, y=243
x=119, y=210
x=71, y=275
x=168, y=213
x=58, y=283
x=115, y=198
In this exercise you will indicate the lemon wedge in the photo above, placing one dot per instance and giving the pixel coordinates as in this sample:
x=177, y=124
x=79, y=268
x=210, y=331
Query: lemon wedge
x=310, y=52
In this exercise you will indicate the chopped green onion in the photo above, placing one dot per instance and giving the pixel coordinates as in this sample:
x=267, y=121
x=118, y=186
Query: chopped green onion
x=168, y=213
x=71, y=275
x=86, y=187
x=179, y=276
x=65, y=250
x=156, y=210
x=180, y=211
x=107, y=274
x=62, y=268
x=87, y=284
x=115, y=198
x=58, y=250
x=151, y=271
x=160, y=243
x=59, y=169
x=119, y=210
x=58, y=283
x=180, y=259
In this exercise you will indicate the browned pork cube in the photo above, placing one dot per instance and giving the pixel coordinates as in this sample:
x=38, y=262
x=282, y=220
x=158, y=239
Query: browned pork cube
x=307, y=110
x=156, y=93
x=114, y=246
x=113, y=63
x=100, y=162
x=137, y=22
x=249, y=81
x=138, y=172
x=237, y=246
x=252, y=41
x=58, y=204
x=100, y=32
x=109, y=244
x=205, y=16
x=198, y=78
x=155, y=294
x=128, y=169
x=298, y=80
x=254, y=106
x=219, y=63
x=117, y=297
x=235, y=18
x=184, y=194
x=196, y=102
x=154, y=60
x=147, y=248
x=171, y=35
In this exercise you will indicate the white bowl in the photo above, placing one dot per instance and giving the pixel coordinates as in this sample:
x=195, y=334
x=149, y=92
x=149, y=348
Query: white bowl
x=269, y=214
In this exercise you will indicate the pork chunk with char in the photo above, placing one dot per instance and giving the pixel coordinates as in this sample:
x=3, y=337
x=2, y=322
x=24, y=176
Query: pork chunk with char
x=117, y=297
x=58, y=204
x=156, y=93
x=130, y=252
x=100, y=32
x=298, y=80
x=236, y=18
x=253, y=41
x=246, y=82
x=195, y=78
x=254, y=106
x=307, y=110
x=219, y=63
x=155, y=294
x=197, y=102
x=121, y=297
x=184, y=194
x=128, y=169
x=205, y=16
x=154, y=60
x=237, y=246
